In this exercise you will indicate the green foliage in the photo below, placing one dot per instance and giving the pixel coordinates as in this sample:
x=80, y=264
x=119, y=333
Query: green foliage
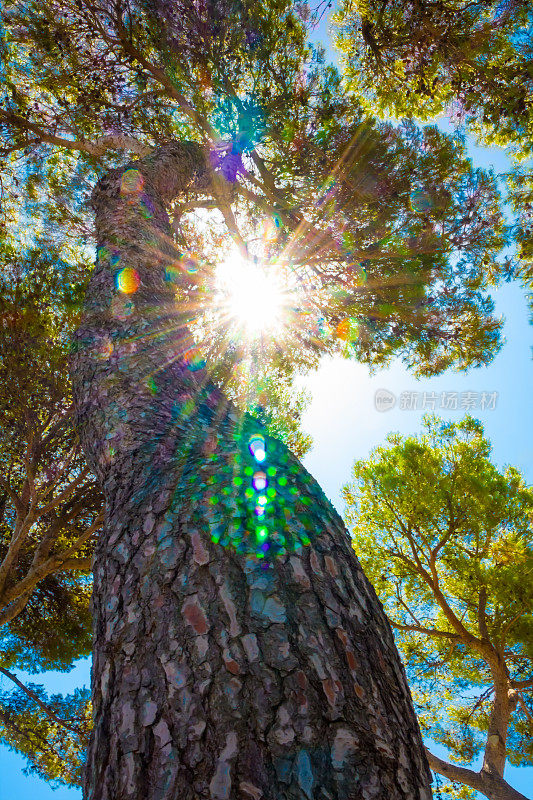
x=54, y=752
x=470, y=61
x=288, y=143
x=289, y=406
x=48, y=501
x=446, y=539
x=40, y=299
x=417, y=58
x=520, y=182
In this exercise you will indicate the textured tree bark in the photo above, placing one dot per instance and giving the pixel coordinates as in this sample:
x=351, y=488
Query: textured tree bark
x=217, y=673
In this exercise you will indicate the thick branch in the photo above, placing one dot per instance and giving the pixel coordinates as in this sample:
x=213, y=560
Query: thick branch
x=57, y=562
x=96, y=148
x=17, y=540
x=492, y=786
x=13, y=496
x=528, y=684
x=14, y=609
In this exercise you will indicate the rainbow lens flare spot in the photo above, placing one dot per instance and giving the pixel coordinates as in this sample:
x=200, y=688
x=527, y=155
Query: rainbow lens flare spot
x=262, y=500
x=257, y=448
x=347, y=330
x=195, y=362
x=260, y=481
x=131, y=182
x=127, y=280
x=172, y=273
x=102, y=253
x=151, y=385
x=261, y=533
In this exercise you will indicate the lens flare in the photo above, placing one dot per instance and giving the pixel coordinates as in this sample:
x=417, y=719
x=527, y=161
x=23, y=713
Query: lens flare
x=250, y=295
x=131, y=183
x=260, y=481
x=128, y=280
x=257, y=447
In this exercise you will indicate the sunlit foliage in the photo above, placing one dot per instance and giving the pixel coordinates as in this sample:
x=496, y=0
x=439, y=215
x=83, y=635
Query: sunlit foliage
x=51, y=732
x=49, y=503
x=472, y=62
x=381, y=275
x=430, y=57
x=446, y=539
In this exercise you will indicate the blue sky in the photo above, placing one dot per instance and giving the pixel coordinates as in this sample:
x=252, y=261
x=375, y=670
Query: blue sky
x=345, y=426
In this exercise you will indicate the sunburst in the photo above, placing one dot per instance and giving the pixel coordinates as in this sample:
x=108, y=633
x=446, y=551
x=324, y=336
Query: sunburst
x=251, y=296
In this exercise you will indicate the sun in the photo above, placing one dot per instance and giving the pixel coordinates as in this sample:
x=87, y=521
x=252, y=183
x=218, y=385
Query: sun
x=251, y=296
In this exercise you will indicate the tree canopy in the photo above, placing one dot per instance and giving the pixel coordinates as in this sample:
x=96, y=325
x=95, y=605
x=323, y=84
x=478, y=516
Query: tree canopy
x=389, y=236
x=470, y=61
x=446, y=539
x=417, y=58
x=50, y=511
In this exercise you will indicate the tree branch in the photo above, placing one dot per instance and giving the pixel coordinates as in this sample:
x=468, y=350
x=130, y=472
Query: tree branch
x=36, y=699
x=492, y=786
x=481, y=614
x=14, y=609
x=525, y=709
x=55, y=563
x=427, y=631
x=522, y=684
x=96, y=148
x=17, y=540
x=66, y=493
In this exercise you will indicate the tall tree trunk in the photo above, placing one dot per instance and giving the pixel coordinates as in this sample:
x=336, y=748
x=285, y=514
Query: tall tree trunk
x=225, y=666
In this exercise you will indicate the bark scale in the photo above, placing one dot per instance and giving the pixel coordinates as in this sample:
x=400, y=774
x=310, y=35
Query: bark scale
x=223, y=668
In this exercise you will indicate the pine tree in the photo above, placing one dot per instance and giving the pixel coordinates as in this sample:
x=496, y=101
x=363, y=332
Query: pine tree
x=387, y=240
